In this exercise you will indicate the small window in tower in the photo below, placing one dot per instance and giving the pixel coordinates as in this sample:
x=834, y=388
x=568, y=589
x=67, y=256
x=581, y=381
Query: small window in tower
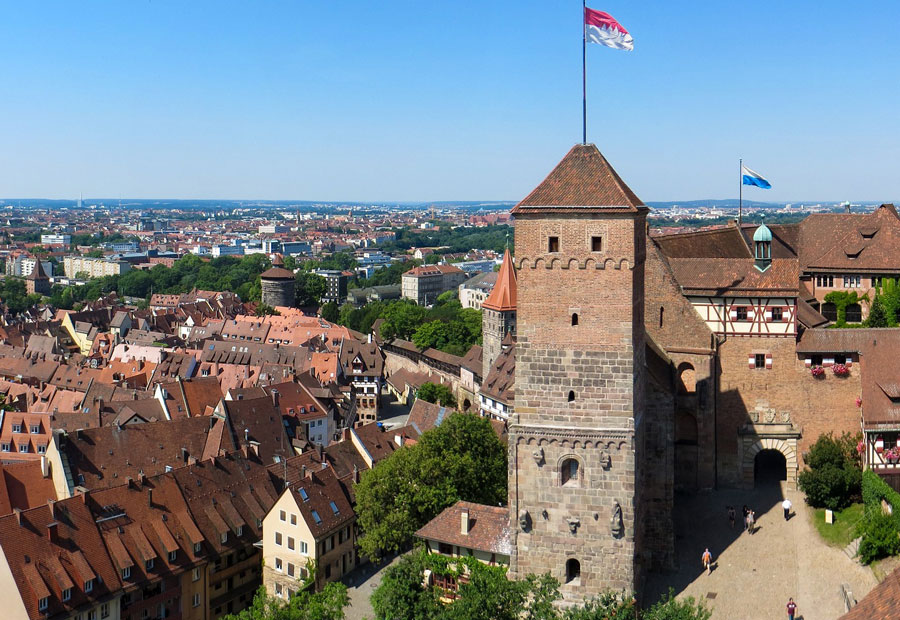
x=759, y=360
x=568, y=473
x=571, y=396
x=596, y=244
x=553, y=244
x=573, y=571
x=574, y=318
x=662, y=312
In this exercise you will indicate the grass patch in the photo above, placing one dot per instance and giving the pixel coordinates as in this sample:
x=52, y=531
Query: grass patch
x=843, y=530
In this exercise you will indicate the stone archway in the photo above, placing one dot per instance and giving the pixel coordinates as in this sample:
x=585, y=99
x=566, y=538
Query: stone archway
x=753, y=445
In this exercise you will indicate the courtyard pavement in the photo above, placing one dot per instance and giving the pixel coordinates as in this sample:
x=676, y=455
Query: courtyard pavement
x=360, y=585
x=753, y=575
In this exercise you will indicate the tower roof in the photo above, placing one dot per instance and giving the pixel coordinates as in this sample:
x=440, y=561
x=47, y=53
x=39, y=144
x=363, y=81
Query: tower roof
x=503, y=295
x=582, y=182
x=38, y=272
x=277, y=272
x=762, y=233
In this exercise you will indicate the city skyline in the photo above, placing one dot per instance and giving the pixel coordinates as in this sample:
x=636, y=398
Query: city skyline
x=201, y=102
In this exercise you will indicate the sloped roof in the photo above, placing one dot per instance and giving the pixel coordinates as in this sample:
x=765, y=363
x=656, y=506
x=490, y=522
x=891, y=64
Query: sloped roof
x=489, y=529
x=582, y=181
x=851, y=241
x=503, y=295
x=718, y=276
x=882, y=602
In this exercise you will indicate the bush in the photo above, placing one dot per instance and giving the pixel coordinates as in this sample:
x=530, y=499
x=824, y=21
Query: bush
x=833, y=478
x=879, y=537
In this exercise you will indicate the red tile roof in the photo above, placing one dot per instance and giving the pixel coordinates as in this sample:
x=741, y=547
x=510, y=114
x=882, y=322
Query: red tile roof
x=503, y=295
x=489, y=529
x=721, y=276
x=883, y=602
x=582, y=181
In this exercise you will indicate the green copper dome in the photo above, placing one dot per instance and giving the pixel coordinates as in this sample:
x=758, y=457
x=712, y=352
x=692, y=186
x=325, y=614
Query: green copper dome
x=762, y=233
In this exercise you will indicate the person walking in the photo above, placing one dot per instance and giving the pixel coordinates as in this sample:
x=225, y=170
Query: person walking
x=746, y=511
x=787, y=505
x=706, y=559
x=791, y=608
x=731, y=516
x=751, y=521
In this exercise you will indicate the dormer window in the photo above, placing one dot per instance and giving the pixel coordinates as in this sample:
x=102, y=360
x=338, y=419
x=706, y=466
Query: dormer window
x=89, y=585
x=17, y=428
x=67, y=594
x=35, y=429
x=173, y=555
x=197, y=548
x=149, y=564
x=224, y=537
x=126, y=572
x=43, y=603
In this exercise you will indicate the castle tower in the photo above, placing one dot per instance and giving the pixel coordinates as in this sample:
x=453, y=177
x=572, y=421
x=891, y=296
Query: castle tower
x=278, y=285
x=499, y=313
x=575, y=436
x=37, y=281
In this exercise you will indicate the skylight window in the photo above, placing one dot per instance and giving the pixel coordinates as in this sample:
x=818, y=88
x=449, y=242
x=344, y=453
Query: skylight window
x=303, y=494
x=316, y=517
x=334, y=508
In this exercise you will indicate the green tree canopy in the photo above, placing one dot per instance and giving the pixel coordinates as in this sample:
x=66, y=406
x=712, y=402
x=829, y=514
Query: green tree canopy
x=328, y=604
x=436, y=393
x=331, y=312
x=462, y=459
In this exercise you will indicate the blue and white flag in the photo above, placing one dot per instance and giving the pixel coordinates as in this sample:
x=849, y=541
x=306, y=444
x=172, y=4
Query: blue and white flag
x=754, y=178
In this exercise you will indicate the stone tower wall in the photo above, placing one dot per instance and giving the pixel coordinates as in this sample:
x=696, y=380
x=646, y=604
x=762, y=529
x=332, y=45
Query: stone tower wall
x=278, y=292
x=494, y=326
x=601, y=361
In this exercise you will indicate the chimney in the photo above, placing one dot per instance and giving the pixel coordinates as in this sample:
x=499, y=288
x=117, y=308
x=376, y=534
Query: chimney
x=45, y=466
x=464, y=521
x=51, y=504
x=150, y=497
x=254, y=445
x=52, y=533
x=141, y=477
x=275, y=397
x=246, y=434
x=345, y=434
x=355, y=474
x=18, y=513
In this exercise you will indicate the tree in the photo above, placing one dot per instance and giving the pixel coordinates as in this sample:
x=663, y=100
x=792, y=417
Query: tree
x=486, y=594
x=603, y=606
x=877, y=314
x=462, y=459
x=670, y=608
x=436, y=393
x=266, y=310
x=310, y=288
x=331, y=312
x=833, y=477
x=328, y=604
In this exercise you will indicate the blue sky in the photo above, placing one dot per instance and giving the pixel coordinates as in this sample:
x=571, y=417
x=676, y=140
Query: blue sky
x=406, y=100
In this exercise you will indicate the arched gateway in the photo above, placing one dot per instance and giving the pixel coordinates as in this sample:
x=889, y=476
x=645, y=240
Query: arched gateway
x=768, y=459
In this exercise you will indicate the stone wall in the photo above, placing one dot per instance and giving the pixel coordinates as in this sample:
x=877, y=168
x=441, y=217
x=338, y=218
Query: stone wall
x=813, y=406
x=580, y=389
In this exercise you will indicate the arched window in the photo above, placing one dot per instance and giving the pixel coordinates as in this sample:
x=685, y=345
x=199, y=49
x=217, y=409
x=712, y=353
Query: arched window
x=568, y=472
x=687, y=378
x=571, y=396
x=574, y=318
x=573, y=571
x=854, y=313
x=829, y=311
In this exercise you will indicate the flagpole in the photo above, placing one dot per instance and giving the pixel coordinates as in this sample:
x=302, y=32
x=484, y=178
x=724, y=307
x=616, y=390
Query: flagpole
x=583, y=74
x=740, y=190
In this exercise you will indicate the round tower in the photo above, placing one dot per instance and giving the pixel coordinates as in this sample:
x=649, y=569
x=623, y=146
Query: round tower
x=278, y=285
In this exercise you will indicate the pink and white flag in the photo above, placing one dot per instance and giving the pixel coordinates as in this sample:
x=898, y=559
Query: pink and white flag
x=600, y=27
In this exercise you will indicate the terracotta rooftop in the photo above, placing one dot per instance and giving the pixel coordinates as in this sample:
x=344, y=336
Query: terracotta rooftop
x=488, y=531
x=882, y=602
x=720, y=276
x=582, y=181
x=503, y=295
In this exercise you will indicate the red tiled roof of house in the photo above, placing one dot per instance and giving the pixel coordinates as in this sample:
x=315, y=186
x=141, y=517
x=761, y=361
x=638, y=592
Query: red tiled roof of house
x=866, y=242
x=882, y=602
x=583, y=181
x=503, y=295
x=720, y=276
x=489, y=529
x=23, y=486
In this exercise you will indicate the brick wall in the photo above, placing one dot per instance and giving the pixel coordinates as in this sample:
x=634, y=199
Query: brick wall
x=815, y=406
x=600, y=361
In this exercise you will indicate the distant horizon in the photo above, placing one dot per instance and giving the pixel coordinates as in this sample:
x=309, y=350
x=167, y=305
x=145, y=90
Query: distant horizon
x=108, y=201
